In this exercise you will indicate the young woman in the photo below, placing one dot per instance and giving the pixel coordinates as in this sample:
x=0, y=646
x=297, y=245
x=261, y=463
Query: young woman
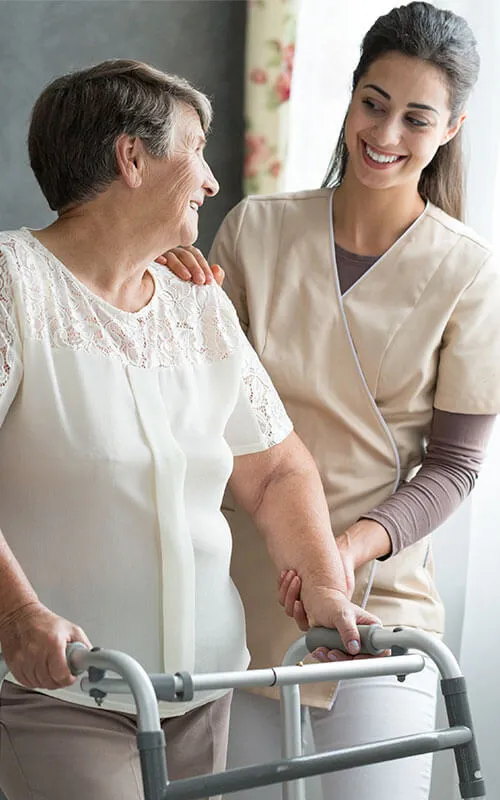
x=374, y=308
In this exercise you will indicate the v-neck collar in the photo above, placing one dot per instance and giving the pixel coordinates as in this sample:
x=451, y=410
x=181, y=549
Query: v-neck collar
x=377, y=262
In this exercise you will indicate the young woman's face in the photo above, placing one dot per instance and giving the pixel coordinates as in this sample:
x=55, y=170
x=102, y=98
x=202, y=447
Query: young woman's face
x=398, y=117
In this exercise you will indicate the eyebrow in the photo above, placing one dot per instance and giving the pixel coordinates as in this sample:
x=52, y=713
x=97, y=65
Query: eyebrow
x=387, y=96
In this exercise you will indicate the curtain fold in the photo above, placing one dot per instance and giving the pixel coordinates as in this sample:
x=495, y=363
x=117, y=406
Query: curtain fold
x=270, y=50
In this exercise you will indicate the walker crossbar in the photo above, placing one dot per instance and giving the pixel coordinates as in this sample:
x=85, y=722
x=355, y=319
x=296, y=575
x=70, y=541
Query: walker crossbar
x=307, y=766
x=294, y=767
x=172, y=688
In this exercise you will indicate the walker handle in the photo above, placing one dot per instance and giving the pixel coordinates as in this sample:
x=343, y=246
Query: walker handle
x=70, y=651
x=330, y=638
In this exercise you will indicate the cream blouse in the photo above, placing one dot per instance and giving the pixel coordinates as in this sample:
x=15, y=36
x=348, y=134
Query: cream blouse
x=117, y=440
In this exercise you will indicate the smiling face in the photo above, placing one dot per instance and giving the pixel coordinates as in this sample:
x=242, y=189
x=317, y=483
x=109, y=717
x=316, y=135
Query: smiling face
x=177, y=185
x=398, y=117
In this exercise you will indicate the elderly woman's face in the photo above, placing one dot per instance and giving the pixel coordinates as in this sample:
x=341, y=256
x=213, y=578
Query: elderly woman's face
x=180, y=183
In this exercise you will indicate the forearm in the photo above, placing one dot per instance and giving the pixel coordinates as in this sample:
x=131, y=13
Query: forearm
x=456, y=450
x=423, y=504
x=281, y=489
x=15, y=589
x=294, y=518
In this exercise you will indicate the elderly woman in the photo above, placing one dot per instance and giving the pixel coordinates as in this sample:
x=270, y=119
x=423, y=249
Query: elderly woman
x=128, y=399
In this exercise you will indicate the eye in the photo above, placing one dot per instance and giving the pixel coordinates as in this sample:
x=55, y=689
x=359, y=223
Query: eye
x=372, y=106
x=417, y=123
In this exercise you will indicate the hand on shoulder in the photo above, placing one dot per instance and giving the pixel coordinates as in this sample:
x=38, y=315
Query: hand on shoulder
x=189, y=264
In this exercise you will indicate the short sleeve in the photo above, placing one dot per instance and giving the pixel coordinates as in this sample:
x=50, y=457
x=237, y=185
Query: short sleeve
x=468, y=380
x=10, y=342
x=259, y=420
x=224, y=252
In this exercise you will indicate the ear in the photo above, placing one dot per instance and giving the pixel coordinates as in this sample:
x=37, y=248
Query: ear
x=451, y=132
x=129, y=152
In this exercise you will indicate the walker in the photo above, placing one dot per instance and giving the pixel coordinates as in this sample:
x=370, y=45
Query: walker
x=294, y=767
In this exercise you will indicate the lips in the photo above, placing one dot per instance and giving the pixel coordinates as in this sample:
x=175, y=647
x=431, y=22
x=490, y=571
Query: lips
x=378, y=159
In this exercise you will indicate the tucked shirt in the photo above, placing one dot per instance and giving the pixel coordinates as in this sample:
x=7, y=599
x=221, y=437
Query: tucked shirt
x=117, y=441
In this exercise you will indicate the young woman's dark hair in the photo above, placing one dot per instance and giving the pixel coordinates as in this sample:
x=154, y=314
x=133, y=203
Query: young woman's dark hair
x=445, y=40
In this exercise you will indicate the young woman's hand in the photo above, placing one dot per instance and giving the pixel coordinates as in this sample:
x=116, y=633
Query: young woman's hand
x=189, y=264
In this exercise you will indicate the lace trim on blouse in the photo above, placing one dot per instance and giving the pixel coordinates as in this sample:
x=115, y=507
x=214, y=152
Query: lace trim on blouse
x=182, y=325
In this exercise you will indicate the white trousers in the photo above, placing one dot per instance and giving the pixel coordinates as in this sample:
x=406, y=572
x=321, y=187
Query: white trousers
x=364, y=710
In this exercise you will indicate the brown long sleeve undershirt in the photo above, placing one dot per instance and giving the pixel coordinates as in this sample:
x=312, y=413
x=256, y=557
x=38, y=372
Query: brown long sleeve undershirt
x=455, y=451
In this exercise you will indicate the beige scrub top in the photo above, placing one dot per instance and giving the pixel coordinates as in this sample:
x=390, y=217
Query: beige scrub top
x=359, y=375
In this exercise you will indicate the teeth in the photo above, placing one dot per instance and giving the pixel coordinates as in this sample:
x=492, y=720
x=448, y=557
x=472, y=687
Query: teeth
x=193, y=205
x=380, y=159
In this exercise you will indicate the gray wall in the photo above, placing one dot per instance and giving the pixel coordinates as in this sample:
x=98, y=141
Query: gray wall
x=202, y=40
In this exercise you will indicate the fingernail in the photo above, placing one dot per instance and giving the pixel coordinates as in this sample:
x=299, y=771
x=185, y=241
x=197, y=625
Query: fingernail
x=332, y=657
x=353, y=647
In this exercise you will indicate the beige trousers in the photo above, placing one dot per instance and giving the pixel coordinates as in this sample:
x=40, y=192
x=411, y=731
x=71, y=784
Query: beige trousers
x=54, y=750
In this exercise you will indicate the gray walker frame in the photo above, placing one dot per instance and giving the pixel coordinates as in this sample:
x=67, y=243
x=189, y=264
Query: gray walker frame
x=294, y=767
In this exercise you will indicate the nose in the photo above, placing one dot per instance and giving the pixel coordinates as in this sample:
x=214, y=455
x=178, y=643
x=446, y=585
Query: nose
x=387, y=132
x=210, y=184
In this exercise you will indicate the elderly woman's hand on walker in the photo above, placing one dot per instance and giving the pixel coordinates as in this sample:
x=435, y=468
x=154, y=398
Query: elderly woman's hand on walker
x=33, y=642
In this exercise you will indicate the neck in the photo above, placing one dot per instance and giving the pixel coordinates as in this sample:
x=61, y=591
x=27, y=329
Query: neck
x=369, y=221
x=108, y=250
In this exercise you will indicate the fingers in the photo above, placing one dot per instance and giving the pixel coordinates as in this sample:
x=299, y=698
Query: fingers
x=189, y=263
x=289, y=586
x=300, y=616
x=218, y=274
x=41, y=663
x=202, y=264
x=184, y=272
x=289, y=590
x=323, y=654
x=347, y=627
x=348, y=617
x=30, y=668
x=58, y=668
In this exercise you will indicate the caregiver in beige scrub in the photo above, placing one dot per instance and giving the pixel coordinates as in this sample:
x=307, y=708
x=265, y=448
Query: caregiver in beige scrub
x=375, y=311
x=128, y=400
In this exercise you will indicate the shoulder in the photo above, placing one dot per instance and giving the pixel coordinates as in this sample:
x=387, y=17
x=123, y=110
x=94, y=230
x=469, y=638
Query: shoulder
x=17, y=249
x=272, y=204
x=302, y=197
x=462, y=240
x=194, y=306
x=275, y=203
x=15, y=258
x=258, y=218
x=11, y=242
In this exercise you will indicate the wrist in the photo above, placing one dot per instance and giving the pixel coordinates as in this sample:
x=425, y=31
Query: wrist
x=365, y=541
x=315, y=602
x=18, y=613
x=318, y=591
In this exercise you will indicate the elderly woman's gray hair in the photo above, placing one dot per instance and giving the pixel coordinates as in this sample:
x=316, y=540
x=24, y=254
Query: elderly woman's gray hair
x=78, y=117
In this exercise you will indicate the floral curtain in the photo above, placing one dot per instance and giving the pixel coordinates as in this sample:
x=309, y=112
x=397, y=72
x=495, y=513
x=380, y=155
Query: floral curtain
x=270, y=49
